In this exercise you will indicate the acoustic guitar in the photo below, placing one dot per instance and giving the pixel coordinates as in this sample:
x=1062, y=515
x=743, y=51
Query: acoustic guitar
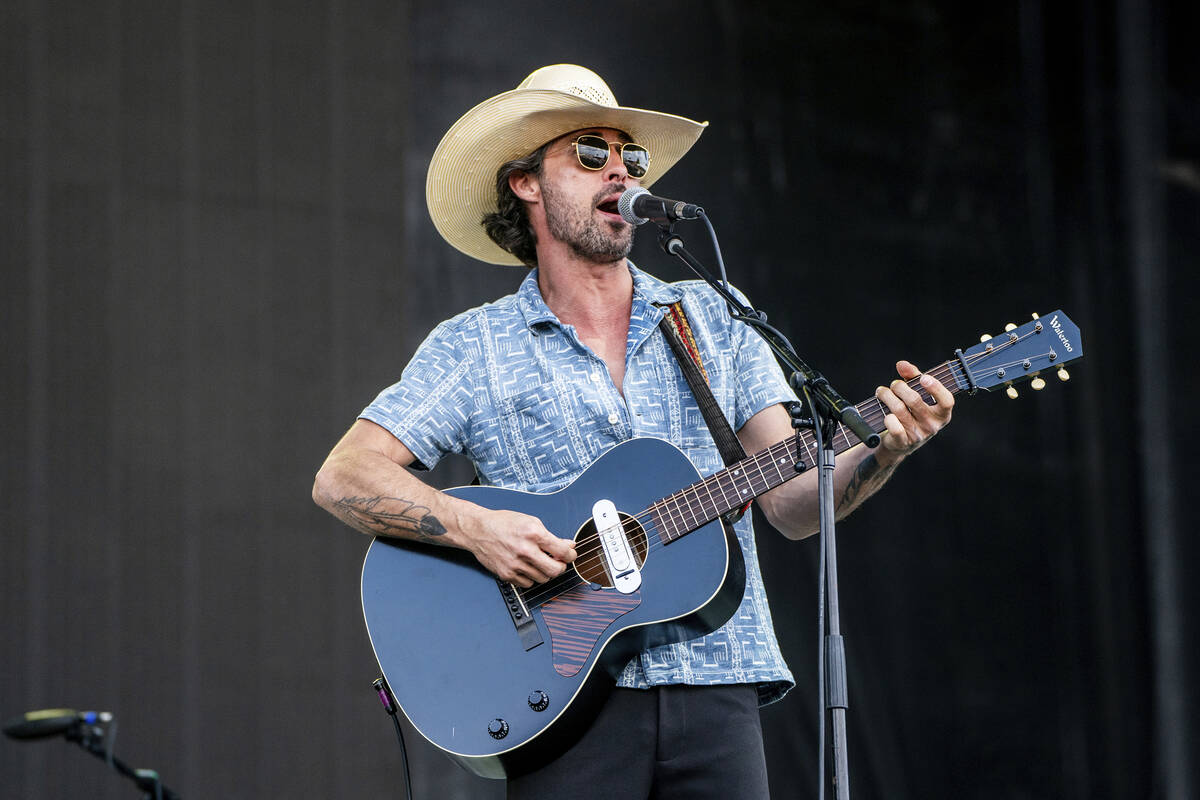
x=502, y=678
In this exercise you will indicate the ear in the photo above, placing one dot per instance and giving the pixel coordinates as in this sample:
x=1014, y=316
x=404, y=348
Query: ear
x=525, y=186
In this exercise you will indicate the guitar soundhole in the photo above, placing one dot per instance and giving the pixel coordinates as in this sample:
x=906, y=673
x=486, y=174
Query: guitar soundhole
x=589, y=563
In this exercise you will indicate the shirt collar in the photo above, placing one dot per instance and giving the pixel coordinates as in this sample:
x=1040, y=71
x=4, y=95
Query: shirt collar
x=648, y=291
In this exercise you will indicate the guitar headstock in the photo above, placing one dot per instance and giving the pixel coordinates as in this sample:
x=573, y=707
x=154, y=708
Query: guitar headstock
x=1047, y=342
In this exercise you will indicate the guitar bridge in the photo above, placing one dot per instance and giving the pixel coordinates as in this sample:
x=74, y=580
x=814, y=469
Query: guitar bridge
x=523, y=621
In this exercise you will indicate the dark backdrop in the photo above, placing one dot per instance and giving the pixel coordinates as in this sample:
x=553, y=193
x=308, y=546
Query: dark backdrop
x=216, y=251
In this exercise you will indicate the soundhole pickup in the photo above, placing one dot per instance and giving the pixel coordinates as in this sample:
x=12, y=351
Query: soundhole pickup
x=620, y=556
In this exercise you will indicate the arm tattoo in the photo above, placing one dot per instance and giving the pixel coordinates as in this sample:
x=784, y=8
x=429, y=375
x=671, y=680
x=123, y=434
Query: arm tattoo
x=865, y=481
x=400, y=517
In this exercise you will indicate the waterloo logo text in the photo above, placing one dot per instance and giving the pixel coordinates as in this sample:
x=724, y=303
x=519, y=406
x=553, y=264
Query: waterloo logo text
x=1062, y=337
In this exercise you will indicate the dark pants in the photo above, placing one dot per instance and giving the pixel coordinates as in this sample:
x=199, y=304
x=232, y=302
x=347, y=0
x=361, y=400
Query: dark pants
x=667, y=742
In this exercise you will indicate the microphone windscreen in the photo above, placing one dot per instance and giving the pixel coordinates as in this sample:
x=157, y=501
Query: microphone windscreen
x=36, y=724
x=625, y=205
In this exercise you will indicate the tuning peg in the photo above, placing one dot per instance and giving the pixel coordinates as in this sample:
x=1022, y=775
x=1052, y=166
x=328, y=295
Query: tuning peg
x=1063, y=375
x=1010, y=327
x=985, y=337
x=1011, y=391
x=1037, y=384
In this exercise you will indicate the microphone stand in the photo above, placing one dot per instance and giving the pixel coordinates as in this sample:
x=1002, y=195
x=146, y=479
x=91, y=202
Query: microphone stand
x=824, y=408
x=92, y=739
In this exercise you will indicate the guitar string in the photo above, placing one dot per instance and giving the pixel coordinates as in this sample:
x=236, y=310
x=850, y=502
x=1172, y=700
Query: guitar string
x=589, y=561
x=589, y=558
x=631, y=523
x=689, y=508
x=688, y=504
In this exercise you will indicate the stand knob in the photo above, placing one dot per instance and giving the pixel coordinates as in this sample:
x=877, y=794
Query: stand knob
x=498, y=728
x=538, y=700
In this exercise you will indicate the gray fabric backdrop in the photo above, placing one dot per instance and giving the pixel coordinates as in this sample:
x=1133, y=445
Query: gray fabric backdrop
x=216, y=251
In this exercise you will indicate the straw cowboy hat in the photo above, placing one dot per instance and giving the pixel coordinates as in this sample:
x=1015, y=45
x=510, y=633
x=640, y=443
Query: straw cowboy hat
x=461, y=186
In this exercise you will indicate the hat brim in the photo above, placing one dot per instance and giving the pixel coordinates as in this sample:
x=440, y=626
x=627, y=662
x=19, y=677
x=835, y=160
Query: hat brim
x=461, y=185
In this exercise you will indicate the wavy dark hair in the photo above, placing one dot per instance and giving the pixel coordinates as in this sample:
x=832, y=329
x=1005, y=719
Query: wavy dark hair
x=509, y=226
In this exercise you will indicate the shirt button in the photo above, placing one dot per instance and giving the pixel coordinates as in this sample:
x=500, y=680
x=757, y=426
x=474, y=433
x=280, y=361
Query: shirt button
x=614, y=418
x=594, y=378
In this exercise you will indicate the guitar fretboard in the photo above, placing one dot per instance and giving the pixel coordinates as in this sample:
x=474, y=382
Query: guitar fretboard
x=733, y=487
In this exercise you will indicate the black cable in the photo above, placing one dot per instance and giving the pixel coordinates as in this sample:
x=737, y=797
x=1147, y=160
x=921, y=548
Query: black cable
x=389, y=705
x=403, y=757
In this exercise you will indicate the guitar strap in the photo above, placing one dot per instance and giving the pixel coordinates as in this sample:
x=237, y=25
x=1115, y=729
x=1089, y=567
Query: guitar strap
x=678, y=333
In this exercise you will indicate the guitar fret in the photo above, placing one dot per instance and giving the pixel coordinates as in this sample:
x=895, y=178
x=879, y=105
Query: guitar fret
x=810, y=447
x=679, y=512
x=670, y=519
x=695, y=506
x=731, y=488
x=764, y=481
x=714, y=481
x=779, y=456
x=736, y=474
x=734, y=489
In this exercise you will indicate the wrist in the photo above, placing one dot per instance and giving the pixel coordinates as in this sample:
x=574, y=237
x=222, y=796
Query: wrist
x=887, y=457
x=462, y=523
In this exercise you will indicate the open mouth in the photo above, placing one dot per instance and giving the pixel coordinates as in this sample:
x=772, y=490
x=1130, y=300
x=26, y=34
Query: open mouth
x=609, y=207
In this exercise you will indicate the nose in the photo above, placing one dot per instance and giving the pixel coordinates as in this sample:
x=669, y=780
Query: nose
x=615, y=169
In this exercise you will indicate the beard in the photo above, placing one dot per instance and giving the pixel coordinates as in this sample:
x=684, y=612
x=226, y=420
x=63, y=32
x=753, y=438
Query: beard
x=586, y=236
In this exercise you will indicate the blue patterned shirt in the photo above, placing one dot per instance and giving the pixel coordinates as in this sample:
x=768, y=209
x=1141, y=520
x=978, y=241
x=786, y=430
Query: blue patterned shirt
x=520, y=395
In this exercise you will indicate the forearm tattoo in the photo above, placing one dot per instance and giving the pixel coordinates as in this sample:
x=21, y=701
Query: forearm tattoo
x=390, y=516
x=866, y=480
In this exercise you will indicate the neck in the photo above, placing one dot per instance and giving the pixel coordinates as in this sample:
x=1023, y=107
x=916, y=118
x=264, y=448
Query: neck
x=588, y=295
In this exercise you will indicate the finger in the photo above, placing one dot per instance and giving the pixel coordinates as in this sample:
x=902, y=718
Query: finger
x=924, y=419
x=894, y=427
x=556, y=547
x=907, y=369
x=540, y=566
x=938, y=392
x=518, y=578
x=910, y=397
x=890, y=398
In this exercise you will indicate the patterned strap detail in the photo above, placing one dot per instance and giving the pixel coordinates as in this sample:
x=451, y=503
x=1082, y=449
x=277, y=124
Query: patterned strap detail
x=678, y=332
x=684, y=329
x=683, y=343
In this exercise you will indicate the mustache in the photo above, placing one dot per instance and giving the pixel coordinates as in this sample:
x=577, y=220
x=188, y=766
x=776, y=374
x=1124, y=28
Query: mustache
x=606, y=191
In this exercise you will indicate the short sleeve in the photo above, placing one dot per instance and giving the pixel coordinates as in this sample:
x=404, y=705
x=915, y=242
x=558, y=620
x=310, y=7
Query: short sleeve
x=429, y=409
x=760, y=382
x=753, y=377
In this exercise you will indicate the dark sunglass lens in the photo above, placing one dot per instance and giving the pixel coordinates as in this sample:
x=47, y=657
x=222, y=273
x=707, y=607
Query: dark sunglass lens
x=636, y=158
x=593, y=151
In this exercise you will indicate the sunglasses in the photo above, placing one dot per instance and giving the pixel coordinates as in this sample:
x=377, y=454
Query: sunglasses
x=593, y=152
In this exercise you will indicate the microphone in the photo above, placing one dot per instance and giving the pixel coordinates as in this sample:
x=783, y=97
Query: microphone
x=51, y=722
x=637, y=206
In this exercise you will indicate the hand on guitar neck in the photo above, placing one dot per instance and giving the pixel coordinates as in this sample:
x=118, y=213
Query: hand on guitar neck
x=911, y=420
x=907, y=417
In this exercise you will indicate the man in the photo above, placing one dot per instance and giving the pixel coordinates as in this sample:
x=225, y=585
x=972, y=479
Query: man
x=536, y=386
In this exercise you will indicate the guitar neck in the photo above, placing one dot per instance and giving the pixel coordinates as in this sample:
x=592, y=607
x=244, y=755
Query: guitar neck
x=735, y=486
